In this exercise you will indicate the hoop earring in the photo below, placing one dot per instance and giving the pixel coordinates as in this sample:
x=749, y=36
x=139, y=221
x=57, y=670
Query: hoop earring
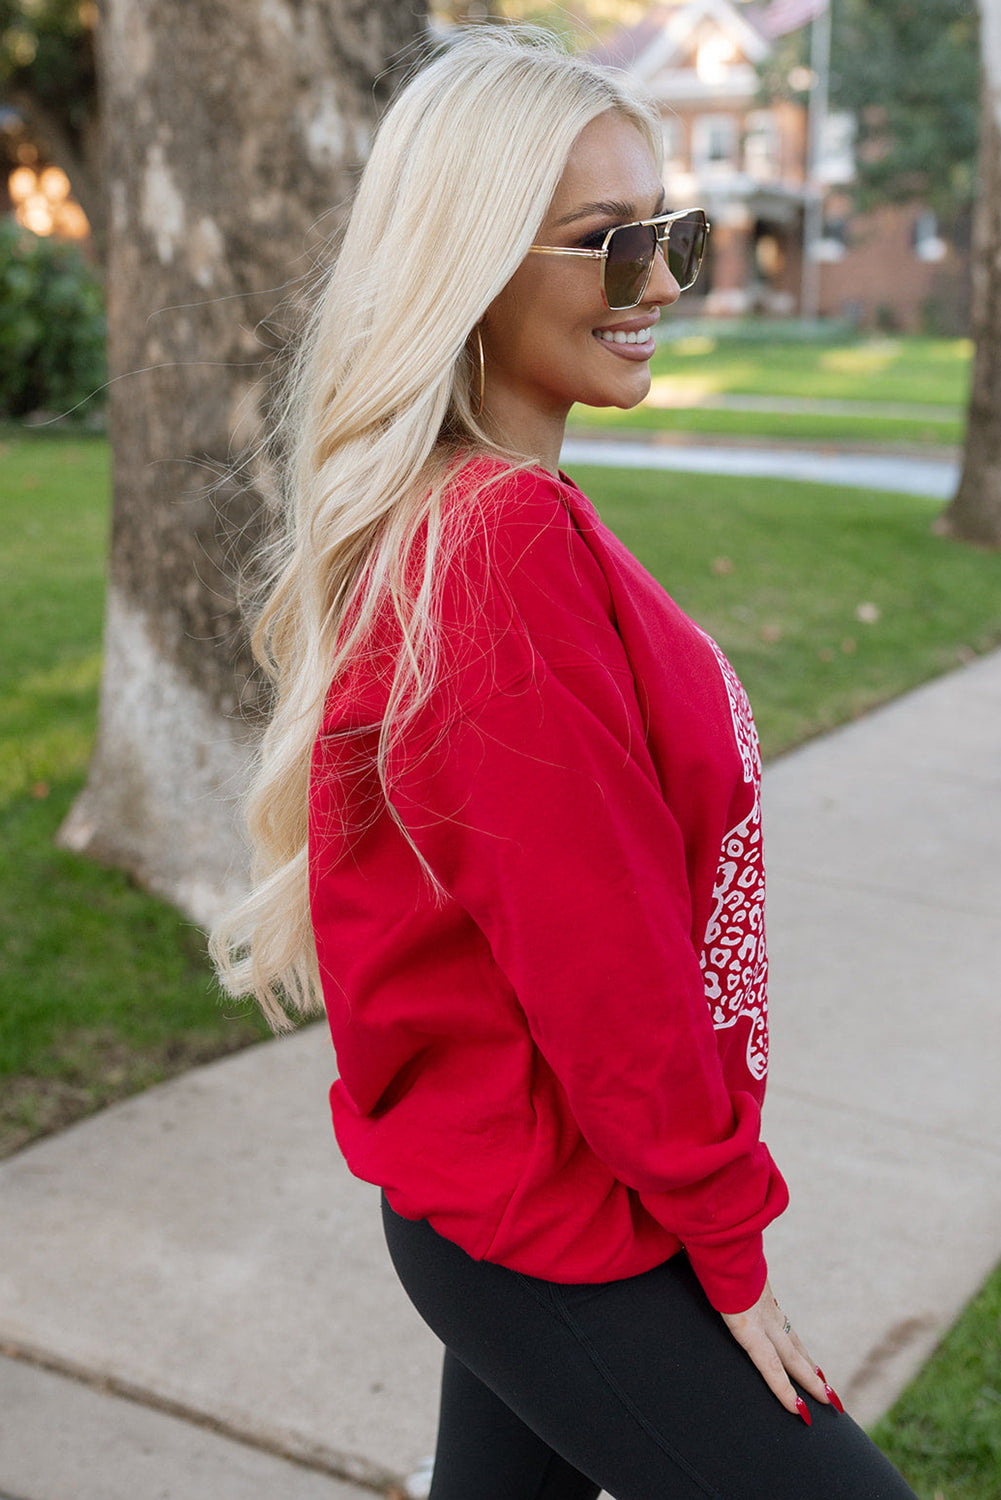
x=483, y=373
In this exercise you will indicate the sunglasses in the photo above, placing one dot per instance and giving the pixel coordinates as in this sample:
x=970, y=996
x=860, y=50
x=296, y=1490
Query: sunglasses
x=627, y=254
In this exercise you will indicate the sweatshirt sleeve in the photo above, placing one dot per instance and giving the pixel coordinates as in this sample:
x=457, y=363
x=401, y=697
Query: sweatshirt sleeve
x=538, y=808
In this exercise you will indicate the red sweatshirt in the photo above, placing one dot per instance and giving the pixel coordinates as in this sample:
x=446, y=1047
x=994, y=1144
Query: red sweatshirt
x=561, y=1064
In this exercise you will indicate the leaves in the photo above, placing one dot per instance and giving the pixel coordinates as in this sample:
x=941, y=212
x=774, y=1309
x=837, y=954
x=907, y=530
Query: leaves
x=47, y=55
x=909, y=71
x=51, y=325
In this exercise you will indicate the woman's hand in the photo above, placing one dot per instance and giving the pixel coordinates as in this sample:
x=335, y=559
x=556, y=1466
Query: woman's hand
x=763, y=1330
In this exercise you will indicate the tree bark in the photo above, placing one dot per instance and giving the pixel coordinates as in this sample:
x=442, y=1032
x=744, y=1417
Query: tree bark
x=974, y=515
x=234, y=130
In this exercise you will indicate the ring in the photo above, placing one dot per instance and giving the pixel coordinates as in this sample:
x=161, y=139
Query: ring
x=787, y=1326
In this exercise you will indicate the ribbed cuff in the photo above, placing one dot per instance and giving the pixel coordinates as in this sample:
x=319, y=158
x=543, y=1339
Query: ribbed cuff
x=732, y=1277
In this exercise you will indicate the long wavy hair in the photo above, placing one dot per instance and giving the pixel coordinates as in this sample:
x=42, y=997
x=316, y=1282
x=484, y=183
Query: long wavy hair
x=383, y=404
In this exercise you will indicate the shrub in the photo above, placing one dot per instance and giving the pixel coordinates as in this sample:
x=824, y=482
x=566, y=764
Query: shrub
x=51, y=325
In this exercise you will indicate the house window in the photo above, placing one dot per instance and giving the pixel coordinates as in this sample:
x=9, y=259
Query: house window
x=928, y=243
x=762, y=147
x=833, y=242
x=836, y=163
x=714, y=142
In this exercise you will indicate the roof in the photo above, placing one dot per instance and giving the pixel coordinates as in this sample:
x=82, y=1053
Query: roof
x=666, y=28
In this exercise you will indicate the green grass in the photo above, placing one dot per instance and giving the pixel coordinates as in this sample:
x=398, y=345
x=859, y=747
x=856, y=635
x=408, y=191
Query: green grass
x=806, y=427
x=103, y=990
x=944, y=1433
x=870, y=371
x=848, y=368
x=780, y=572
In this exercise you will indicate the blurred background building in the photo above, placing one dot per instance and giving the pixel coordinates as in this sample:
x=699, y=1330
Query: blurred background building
x=748, y=134
x=747, y=158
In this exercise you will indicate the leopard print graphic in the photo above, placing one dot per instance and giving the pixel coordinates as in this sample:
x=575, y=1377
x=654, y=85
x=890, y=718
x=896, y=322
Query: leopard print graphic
x=734, y=959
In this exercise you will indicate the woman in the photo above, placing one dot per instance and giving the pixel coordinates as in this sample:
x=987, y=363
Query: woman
x=507, y=822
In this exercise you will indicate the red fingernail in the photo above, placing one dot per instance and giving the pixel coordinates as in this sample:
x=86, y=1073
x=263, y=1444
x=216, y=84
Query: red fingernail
x=831, y=1393
x=804, y=1413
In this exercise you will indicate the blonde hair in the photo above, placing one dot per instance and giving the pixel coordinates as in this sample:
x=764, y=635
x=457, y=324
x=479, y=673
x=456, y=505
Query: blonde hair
x=383, y=403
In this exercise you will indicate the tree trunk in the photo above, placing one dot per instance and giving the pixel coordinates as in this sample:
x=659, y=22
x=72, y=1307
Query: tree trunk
x=233, y=128
x=974, y=515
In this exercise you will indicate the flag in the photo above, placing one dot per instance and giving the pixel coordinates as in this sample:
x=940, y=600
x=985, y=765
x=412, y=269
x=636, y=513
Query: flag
x=789, y=15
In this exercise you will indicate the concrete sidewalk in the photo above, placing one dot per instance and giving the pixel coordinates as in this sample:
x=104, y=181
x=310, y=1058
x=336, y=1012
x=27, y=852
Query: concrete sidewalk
x=194, y=1295
x=905, y=474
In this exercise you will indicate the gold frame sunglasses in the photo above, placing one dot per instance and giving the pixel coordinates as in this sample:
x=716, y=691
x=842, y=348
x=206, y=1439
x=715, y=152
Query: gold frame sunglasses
x=627, y=254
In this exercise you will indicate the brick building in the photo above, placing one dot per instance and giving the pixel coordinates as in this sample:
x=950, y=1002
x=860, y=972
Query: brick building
x=745, y=161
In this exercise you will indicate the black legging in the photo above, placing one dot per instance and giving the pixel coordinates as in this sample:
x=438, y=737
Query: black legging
x=636, y=1387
